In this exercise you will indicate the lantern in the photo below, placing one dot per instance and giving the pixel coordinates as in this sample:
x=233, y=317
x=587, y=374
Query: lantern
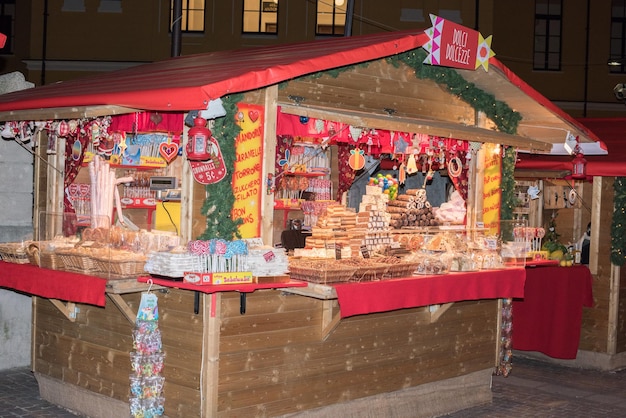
x=198, y=144
x=579, y=167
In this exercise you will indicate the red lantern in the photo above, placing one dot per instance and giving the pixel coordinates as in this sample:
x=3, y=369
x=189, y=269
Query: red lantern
x=579, y=167
x=198, y=144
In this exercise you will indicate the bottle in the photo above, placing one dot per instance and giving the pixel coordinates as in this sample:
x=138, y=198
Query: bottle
x=577, y=253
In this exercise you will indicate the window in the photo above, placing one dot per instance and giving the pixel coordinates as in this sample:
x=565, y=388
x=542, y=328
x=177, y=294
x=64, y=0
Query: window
x=7, y=21
x=547, y=51
x=618, y=36
x=331, y=17
x=260, y=16
x=193, y=15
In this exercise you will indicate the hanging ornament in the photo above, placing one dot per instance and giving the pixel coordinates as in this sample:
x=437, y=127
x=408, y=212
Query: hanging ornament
x=455, y=167
x=355, y=133
x=213, y=170
x=197, y=146
x=63, y=129
x=356, y=161
x=168, y=150
x=411, y=165
x=77, y=150
x=402, y=173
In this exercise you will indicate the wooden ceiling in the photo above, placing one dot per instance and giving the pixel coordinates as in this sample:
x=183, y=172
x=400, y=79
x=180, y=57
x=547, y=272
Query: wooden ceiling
x=382, y=96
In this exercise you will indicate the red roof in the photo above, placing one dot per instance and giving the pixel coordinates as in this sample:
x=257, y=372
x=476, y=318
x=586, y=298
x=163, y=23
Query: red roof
x=190, y=82
x=611, y=131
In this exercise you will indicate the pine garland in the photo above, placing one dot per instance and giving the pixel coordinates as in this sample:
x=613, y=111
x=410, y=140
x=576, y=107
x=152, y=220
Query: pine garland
x=220, y=199
x=508, y=200
x=618, y=224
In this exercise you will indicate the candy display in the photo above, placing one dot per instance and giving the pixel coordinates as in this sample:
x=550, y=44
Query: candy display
x=146, y=361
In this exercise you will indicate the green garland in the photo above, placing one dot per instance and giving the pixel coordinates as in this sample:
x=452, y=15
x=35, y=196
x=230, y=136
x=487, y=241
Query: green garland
x=220, y=199
x=618, y=224
x=508, y=200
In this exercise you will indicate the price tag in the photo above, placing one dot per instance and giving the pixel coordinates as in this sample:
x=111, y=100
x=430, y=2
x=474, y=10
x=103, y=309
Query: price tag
x=338, y=251
x=365, y=252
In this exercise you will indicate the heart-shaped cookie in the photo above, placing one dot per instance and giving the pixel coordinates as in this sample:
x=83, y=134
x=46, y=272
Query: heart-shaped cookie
x=168, y=151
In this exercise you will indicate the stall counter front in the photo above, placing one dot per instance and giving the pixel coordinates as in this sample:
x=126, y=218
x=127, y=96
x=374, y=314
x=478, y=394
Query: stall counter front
x=287, y=354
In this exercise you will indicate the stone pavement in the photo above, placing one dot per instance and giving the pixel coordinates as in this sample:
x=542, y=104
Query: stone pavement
x=534, y=389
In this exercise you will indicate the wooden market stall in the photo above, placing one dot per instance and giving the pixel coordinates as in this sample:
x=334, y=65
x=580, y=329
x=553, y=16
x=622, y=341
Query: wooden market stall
x=598, y=196
x=429, y=347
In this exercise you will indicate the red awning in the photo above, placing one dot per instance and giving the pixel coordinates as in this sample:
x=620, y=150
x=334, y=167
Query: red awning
x=190, y=82
x=611, y=131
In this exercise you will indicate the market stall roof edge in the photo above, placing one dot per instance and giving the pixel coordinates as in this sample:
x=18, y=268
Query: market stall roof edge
x=610, y=130
x=189, y=82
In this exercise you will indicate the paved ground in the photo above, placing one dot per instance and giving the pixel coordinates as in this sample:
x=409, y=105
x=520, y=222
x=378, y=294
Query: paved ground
x=534, y=389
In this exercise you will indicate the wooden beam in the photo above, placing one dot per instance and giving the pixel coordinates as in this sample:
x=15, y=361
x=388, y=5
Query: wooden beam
x=69, y=310
x=329, y=321
x=404, y=124
x=124, y=308
x=438, y=310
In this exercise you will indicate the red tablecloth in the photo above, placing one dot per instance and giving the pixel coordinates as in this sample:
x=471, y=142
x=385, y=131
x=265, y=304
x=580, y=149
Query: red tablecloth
x=53, y=284
x=548, y=319
x=387, y=295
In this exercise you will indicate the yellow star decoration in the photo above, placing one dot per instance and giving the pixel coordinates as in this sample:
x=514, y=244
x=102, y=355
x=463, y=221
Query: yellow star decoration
x=484, y=52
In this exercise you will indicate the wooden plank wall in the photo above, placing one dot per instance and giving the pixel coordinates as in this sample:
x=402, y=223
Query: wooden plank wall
x=273, y=359
x=93, y=352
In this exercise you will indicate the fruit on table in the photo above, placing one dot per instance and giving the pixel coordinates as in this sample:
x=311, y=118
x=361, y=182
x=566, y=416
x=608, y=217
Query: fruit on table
x=556, y=255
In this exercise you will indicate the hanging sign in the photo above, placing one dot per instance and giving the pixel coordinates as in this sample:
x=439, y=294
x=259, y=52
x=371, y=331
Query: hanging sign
x=492, y=192
x=454, y=45
x=247, y=175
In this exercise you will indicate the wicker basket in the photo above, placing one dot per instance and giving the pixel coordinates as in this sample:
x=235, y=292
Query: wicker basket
x=401, y=269
x=78, y=263
x=14, y=252
x=321, y=271
x=45, y=259
x=116, y=268
x=367, y=269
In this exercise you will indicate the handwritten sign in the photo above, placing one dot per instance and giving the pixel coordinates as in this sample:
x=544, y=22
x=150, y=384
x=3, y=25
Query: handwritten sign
x=492, y=193
x=247, y=175
x=454, y=45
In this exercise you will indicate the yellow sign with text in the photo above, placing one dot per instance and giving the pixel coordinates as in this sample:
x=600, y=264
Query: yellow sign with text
x=492, y=192
x=247, y=176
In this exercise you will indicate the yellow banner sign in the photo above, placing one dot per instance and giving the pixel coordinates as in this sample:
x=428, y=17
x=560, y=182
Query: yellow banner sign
x=247, y=175
x=492, y=192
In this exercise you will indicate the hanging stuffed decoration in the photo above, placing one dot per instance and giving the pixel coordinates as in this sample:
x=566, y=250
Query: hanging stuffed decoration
x=411, y=165
x=357, y=159
x=146, y=383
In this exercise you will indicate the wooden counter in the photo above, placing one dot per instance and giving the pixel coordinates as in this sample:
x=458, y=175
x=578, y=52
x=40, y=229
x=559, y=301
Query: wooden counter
x=289, y=353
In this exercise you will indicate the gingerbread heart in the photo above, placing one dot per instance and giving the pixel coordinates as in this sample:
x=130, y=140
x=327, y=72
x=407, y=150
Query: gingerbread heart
x=168, y=151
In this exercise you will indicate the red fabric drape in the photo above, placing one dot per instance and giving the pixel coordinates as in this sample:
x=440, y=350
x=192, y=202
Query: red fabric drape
x=346, y=173
x=75, y=146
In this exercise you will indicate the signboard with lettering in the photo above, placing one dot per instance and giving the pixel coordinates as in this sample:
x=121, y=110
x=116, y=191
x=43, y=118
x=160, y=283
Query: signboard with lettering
x=454, y=45
x=247, y=176
x=492, y=194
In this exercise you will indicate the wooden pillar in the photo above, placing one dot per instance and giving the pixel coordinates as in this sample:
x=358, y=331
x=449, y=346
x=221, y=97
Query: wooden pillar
x=269, y=151
x=209, y=373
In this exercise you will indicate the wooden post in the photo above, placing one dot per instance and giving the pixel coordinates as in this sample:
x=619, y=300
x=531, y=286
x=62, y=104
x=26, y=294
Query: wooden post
x=269, y=151
x=210, y=354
